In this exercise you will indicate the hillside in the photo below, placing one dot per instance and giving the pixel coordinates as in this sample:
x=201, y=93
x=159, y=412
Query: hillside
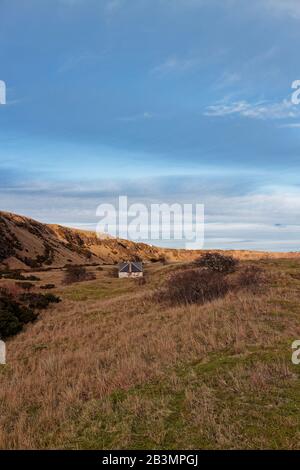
x=28, y=244
x=115, y=364
x=111, y=368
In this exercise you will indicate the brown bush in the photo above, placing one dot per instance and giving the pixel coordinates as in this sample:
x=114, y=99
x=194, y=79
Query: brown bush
x=25, y=285
x=76, y=273
x=48, y=286
x=193, y=286
x=251, y=277
x=18, y=276
x=218, y=263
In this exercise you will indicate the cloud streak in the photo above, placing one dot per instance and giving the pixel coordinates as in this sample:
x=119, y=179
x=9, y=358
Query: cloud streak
x=260, y=110
x=291, y=7
x=174, y=64
x=248, y=216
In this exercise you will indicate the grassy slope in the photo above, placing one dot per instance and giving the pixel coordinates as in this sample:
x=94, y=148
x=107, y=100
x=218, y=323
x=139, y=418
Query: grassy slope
x=108, y=368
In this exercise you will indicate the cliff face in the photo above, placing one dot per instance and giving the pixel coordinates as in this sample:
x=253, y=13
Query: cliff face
x=28, y=244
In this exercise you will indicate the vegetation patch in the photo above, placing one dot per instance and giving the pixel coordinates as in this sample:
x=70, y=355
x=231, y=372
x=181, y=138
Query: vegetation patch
x=193, y=286
x=25, y=285
x=48, y=286
x=117, y=370
x=74, y=273
x=39, y=301
x=13, y=316
x=16, y=310
x=18, y=276
x=217, y=262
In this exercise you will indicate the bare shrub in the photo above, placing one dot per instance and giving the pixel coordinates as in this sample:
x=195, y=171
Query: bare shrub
x=251, y=278
x=76, y=273
x=218, y=263
x=18, y=276
x=193, y=286
x=25, y=285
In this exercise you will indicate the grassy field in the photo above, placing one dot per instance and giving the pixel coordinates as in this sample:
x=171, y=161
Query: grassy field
x=110, y=368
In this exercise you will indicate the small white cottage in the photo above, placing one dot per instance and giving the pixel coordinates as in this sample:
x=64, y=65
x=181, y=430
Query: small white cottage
x=131, y=269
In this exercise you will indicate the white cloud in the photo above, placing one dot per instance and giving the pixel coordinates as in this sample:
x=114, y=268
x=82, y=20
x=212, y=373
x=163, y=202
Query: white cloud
x=227, y=80
x=291, y=125
x=260, y=110
x=264, y=217
x=83, y=58
x=175, y=64
x=291, y=7
x=113, y=5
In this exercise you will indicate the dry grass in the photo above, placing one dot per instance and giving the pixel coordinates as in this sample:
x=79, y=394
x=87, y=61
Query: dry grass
x=125, y=372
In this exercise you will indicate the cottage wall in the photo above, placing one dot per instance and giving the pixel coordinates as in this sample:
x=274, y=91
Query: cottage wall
x=122, y=275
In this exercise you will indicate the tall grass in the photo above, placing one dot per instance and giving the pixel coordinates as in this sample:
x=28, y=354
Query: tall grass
x=66, y=373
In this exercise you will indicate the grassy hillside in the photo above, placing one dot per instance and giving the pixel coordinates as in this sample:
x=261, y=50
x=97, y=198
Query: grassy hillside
x=109, y=367
x=28, y=244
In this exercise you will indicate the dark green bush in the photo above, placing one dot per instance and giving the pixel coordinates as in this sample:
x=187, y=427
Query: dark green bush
x=39, y=301
x=13, y=316
x=16, y=310
x=52, y=299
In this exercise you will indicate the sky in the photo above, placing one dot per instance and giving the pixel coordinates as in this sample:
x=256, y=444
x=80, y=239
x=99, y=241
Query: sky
x=186, y=101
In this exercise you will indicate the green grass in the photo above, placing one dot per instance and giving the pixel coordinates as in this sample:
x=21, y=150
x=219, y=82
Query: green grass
x=244, y=394
x=97, y=290
x=225, y=410
x=159, y=415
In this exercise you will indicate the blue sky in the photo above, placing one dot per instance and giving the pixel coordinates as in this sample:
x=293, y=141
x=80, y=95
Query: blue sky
x=161, y=100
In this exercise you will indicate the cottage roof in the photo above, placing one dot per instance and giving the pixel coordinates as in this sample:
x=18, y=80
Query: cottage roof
x=134, y=267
